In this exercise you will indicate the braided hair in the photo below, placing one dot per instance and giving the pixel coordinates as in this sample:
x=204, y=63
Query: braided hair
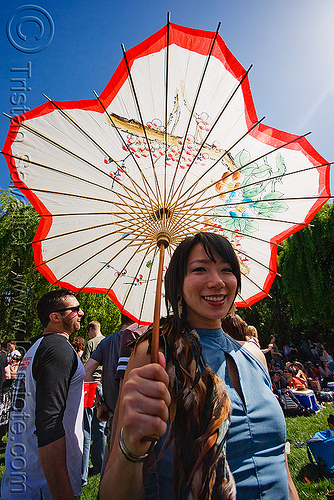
x=200, y=409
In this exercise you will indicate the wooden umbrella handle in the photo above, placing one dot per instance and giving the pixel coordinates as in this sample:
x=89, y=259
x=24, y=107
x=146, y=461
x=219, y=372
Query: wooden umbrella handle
x=156, y=319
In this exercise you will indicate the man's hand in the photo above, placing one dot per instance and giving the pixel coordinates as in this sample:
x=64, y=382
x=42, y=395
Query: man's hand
x=102, y=412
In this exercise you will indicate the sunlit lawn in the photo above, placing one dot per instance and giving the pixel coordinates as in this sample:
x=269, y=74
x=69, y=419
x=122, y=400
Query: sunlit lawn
x=308, y=480
x=299, y=429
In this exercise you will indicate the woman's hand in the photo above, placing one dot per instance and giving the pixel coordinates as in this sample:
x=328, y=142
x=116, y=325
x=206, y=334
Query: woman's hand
x=141, y=415
x=144, y=406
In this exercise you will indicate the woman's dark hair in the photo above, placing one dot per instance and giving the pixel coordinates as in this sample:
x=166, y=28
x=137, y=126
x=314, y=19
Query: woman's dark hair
x=177, y=268
x=235, y=327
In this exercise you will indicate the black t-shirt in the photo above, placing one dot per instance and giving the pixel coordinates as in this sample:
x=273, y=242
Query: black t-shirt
x=54, y=364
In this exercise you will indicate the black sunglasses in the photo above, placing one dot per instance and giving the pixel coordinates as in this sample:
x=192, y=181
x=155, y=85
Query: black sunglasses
x=73, y=308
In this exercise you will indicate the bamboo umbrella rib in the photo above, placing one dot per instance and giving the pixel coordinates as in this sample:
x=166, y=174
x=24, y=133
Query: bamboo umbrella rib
x=212, y=128
x=268, y=268
x=158, y=194
x=67, y=173
x=56, y=144
x=73, y=214
x=47, y=261
x=248, y=217
x=226, y=153
x=194, y=225
x=166, y=105
x=78, y=127
x=241, y=298
x=155, y=251
x=197, y=211
x=149, y=218
x=193, y=108
x=249, y=201
x=146, y=183
x=108, y=263
x=125, y=227
x=63, y=148
x=119, y=214
x=257, y=286
x=192, y=187
x=315, y=197
x=137, y=211
x=190, y=196
x=217, y=216
x=240, y=188
x=133, y=280
x=75, y=231
x=92, y=256
x=80, y=196
x=73, y=122
x=80, y=178
x=204, y=211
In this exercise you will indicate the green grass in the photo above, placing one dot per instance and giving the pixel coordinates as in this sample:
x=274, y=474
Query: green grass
x=89, y=492
x=298, y=429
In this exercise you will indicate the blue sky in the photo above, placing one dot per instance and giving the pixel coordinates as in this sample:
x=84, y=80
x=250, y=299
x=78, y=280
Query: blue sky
x=289, y=42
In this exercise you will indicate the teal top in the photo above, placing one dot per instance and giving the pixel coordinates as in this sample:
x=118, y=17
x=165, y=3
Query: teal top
x=257, y=435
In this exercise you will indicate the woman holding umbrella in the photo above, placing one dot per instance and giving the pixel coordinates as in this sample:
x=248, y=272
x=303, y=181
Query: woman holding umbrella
x=186, y=407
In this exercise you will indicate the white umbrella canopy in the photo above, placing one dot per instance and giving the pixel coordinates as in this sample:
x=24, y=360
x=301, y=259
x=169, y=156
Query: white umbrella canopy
x=172, y=146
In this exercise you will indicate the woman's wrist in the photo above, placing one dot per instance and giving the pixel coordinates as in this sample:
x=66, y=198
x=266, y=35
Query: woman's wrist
x=131, y=457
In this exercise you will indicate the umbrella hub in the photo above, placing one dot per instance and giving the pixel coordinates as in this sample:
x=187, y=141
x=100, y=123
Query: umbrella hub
x=162, y=214
x=163, y=237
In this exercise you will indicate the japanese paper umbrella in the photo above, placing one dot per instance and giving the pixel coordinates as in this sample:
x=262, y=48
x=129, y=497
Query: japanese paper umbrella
x=172, y=146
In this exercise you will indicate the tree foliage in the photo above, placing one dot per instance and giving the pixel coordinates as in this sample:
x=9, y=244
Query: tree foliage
x=302, y=299
x=21, y=285
x=307, y=267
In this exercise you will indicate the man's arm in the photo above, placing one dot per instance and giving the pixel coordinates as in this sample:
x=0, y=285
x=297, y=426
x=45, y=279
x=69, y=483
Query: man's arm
x=87, y=352
x=90, y=368
x=53, y=458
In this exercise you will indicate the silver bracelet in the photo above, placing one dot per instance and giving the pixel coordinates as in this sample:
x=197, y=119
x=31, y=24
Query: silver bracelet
x=127, y=453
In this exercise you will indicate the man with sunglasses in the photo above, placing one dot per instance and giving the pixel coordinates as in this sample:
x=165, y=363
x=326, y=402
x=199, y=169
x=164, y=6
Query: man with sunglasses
x=44, y=446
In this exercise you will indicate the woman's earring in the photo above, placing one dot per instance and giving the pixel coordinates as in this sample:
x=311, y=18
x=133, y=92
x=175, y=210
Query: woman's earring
x=179, y=307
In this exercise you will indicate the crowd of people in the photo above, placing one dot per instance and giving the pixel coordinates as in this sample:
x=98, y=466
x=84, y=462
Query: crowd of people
x=10, y=358
x=308, y=366
x=204, y=419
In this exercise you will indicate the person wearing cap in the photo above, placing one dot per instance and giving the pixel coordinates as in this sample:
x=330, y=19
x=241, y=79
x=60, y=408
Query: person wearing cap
x=278, y=382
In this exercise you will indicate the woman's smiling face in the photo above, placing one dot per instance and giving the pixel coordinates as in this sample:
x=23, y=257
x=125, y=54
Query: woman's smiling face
x=209, y=289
